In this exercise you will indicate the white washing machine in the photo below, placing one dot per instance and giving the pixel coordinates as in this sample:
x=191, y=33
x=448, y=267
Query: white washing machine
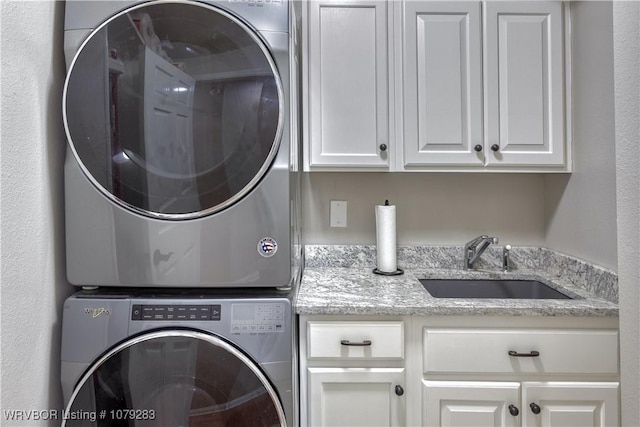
x=177, y=359
x=181, y=122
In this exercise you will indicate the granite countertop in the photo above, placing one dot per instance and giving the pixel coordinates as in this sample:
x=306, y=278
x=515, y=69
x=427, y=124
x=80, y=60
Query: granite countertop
x=340, y=280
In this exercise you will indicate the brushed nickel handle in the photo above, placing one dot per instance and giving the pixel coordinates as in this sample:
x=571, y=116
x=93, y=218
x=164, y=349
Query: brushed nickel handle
x=532, y=353
x=364, y=343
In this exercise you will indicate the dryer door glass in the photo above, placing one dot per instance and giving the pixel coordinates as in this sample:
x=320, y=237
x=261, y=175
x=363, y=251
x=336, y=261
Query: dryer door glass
x=174, y=109
x=174, y=378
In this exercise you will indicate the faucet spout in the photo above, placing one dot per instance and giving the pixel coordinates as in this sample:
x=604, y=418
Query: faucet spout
x=475, y=248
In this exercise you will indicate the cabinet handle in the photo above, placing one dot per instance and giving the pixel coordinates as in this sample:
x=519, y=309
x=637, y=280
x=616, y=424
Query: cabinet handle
x=364, y=343
x=495, y=147
x=532, y=353
x=478, y=148
x=513, y=410
x=534, y=408
x=399, y=390
x=383, y=147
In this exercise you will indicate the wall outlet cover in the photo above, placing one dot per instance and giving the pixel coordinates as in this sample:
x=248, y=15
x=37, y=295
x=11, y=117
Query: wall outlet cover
x=338, y=214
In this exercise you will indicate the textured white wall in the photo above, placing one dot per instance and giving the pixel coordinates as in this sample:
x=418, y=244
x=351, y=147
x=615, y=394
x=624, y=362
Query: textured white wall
x=626, y=20
x=32, y=282
x=431, y=208
x=580, y=209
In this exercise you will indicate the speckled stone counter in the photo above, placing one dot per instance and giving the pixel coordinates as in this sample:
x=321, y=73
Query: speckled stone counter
x=339, y=280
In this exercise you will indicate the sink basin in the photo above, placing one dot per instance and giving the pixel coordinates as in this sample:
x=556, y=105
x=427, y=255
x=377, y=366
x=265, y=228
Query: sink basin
x=521, y=289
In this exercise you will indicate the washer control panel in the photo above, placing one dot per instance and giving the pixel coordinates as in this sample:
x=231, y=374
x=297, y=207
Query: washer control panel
x=176, y=312
x=257, y=318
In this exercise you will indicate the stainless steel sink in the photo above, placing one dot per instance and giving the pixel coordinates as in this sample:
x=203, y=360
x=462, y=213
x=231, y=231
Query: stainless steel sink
x=472, y=288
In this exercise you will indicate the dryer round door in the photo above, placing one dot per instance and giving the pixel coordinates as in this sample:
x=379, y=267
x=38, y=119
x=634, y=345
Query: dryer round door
x=174, y=109
x=174, y=378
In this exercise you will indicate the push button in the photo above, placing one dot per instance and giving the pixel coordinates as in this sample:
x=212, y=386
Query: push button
x=136, y=312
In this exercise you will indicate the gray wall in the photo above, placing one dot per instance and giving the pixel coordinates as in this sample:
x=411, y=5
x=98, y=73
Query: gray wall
x=431, y=208
x=32, y=282
x=580, y=209
x=626, y=18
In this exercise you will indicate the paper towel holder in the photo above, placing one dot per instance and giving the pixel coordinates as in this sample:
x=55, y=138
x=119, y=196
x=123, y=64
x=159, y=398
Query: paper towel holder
x=398, y=272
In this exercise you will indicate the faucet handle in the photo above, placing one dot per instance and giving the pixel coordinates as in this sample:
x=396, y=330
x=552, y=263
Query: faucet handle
x=506, y=263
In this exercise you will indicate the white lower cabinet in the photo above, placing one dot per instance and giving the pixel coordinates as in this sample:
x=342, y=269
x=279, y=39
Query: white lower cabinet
x=570, y=404
x=459, y=371
x=528, y=374
x=356, y=396
x=353, y=373
x=543, y=404
x=467, y=403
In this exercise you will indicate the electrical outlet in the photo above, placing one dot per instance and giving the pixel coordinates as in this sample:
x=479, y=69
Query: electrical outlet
x=338, y=215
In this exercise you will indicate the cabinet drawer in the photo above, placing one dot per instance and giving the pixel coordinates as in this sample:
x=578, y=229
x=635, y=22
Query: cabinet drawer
x=355, y=340
x=569, y=351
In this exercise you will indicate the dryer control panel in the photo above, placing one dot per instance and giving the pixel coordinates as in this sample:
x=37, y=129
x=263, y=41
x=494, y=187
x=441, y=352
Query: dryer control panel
x=241, y=318
x=257, y=318
x=175, y=312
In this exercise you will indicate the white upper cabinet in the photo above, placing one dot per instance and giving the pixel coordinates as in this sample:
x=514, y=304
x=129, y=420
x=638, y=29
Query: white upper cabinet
x=442, y=84
x=347, y=87
x=524, y=83
x=421, y=85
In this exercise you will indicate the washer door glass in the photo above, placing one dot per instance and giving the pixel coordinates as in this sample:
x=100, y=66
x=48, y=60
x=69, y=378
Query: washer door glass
x=174, y=378
x=173, y=109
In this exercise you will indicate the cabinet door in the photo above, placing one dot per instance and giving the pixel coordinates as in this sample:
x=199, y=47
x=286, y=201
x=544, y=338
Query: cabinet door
x=470, y=403
x=442, y=83
x=570, y=404
x=524, y=83
x=348, y=84
x=355, y=397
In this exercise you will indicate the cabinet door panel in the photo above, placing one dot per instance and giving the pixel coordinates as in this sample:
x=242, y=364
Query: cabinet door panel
x=355, y=397
x=571, y=404
x=348, y=83
x=467, y=403
x=442, y=83
x=524, y=82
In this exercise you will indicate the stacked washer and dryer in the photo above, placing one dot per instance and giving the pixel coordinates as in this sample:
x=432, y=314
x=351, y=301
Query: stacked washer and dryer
x=181, y=193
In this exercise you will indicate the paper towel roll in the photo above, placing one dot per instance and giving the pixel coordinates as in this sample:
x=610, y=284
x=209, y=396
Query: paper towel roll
x=386, y=238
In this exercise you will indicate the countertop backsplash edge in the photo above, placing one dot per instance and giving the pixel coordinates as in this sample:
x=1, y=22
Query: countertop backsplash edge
x=599, y=281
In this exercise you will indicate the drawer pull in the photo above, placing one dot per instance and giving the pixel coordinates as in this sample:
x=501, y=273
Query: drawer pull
x=364, y=343
x=535, y=408
x=530, y=354
x=513, y=410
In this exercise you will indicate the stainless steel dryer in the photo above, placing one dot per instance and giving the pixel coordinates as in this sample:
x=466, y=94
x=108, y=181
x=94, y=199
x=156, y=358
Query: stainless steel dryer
x=179, y=168
x=167, y=360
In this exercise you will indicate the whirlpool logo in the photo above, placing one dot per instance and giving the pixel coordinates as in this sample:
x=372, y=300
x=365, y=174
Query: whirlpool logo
x=97, y=312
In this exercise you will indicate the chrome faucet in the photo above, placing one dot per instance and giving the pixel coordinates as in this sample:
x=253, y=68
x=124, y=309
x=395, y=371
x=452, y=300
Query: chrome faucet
x=475, y=248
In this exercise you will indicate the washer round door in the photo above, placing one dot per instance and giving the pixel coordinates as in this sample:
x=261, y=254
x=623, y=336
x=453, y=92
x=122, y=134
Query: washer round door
x=173, y=109
x=174, y=378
